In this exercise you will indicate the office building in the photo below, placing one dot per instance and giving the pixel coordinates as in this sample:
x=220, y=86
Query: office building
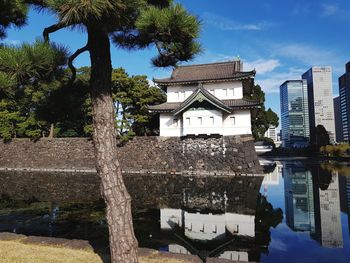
x=344, y=94
x=338, y=119
x=294, y=114
x=320, y=96
x=271, y=133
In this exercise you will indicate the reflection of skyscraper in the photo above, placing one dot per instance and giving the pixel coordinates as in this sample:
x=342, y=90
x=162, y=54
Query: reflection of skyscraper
x=327, y=214
x=348, y=199
x=298, y=198
x=344, y=194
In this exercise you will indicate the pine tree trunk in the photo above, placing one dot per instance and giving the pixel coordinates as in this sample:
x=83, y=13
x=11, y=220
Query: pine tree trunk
x=123, y=244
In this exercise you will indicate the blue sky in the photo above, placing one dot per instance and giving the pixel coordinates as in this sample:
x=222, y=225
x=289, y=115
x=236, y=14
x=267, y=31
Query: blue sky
x=280, y=39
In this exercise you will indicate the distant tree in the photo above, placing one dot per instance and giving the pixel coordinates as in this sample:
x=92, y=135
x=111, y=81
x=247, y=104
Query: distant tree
x=12, y=12
x=131, y=96
x=319, y=137
x=28, y=74
x=264, y=118
x=132, y=24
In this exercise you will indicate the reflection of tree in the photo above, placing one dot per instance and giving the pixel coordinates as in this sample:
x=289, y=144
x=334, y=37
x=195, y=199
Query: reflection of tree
x=265, y=218
x=321, y=177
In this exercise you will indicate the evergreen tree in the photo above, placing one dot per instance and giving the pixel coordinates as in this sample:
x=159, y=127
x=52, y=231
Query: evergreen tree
x=132, y=24
x=28, y=74
x=12, y=12
x=264, y=118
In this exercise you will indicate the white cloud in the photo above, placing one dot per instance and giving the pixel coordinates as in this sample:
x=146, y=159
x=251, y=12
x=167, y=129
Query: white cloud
x=336, y=11
x=274, y=80
x=301, y=10
x=226, y=24
x=309, y=55
x=329, y=9
x=261, y=66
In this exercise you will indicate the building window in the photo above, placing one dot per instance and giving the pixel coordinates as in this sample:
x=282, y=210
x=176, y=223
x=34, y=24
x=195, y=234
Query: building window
x=182, y=95
x=212, y=120
x=178, y=95
x=226, y=92
x=200, y=121
x=188, y=121
x=175, y=122
x=232, y=121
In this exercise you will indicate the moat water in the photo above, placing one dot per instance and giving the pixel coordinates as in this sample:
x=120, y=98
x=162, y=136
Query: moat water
x=298, y=212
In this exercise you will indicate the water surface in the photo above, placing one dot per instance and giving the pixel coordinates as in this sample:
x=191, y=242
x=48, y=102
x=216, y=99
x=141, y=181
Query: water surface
x=298, y=212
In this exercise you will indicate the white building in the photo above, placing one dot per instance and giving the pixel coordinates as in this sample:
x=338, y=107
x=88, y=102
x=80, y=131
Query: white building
x=206, y=99
x=271, y=133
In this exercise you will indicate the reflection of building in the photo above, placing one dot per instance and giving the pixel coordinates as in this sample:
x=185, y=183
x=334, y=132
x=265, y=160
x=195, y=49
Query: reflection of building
x=320, y=96
x=201, y=226
x=273, y=177
x=309, y=208
x=344, y=94
x=328, y=224
x=294, y=114
x=298, y=198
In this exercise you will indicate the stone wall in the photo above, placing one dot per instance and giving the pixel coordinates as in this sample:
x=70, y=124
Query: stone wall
x=213, y=156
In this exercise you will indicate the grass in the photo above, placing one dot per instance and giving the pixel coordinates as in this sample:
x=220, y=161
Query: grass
x=17, y=252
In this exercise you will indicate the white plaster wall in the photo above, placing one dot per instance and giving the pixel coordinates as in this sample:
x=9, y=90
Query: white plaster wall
x=179, y=93
x=239, y=224
x=223, y=91
x=235, y=256
x=202, y=121
x=204, y=226
x=190, y=123
x=169, y=218
x=167, y=127
x=175, y=248
x=241, y=124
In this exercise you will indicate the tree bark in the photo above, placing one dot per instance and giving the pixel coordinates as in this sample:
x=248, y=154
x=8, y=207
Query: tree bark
x=123, y=244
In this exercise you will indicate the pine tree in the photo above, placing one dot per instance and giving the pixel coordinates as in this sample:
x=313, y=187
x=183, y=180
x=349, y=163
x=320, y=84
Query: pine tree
x=131, y=24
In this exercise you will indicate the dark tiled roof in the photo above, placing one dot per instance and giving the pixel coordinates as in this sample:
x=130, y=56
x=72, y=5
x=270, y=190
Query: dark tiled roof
x=234, y=103
x=206, y=72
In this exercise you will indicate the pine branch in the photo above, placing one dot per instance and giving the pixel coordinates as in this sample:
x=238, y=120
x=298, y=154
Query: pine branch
x=51, y=29
x=72, y=58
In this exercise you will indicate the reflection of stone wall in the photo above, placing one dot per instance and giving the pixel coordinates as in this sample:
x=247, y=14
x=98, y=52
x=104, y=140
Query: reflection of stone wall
x=143, y=154
x=51, y=187
x=236, y=194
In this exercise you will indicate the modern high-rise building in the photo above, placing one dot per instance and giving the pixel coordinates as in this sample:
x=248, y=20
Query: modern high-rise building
x=320, y=95
x=344, y=94
x=338, y=119
x=294, y=114
x=271, y=133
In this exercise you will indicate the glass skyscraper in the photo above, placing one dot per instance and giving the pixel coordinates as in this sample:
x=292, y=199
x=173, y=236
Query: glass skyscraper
x=294, y=114
x=344, y=94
